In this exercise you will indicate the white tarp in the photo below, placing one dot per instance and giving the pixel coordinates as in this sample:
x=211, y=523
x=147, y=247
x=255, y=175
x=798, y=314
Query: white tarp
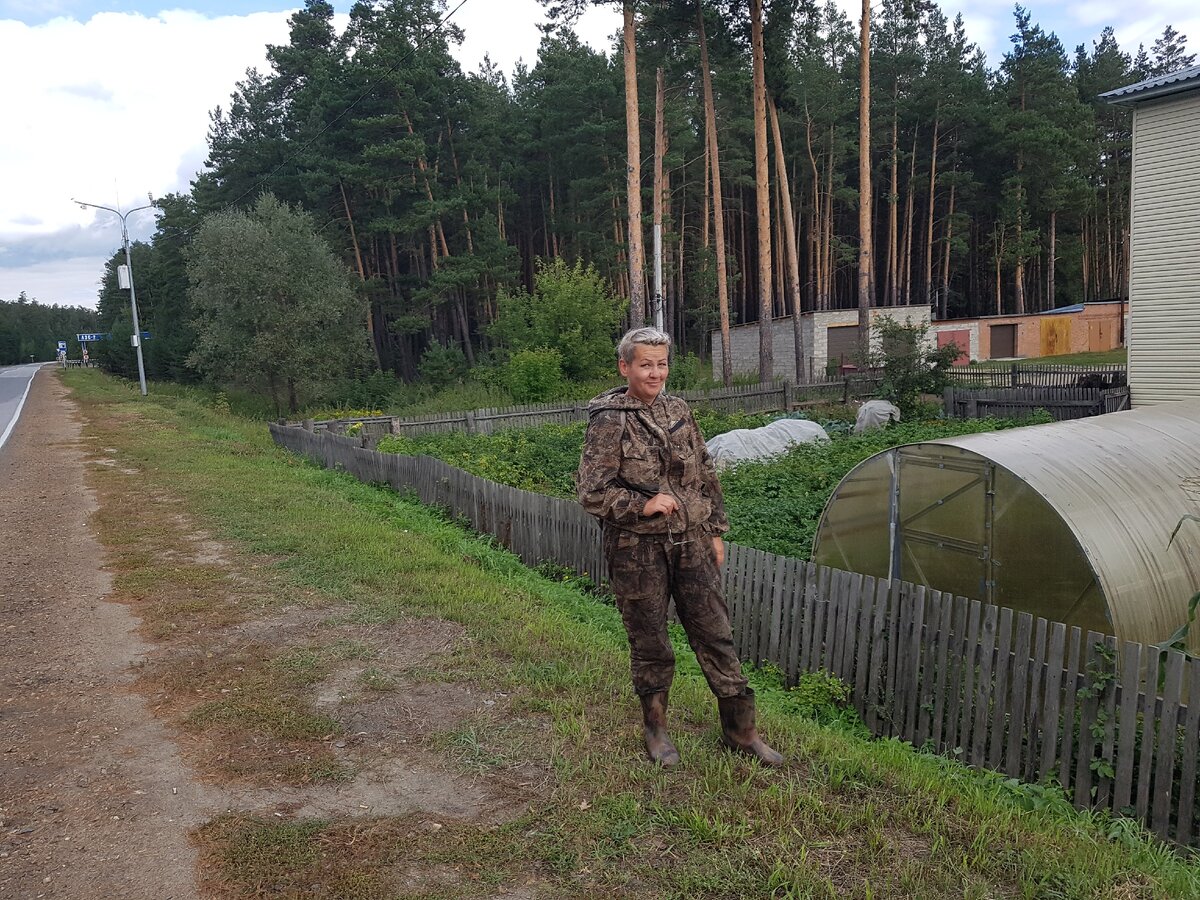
x=762, y=443
x=875, y=414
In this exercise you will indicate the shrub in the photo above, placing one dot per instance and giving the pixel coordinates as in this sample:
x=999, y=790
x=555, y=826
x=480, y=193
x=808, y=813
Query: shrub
x=687, y=372
x=534, y=376
x=571, y=310
x=911, y=365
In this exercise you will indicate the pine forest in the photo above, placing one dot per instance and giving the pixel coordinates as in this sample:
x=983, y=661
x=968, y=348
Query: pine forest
x=726, y=131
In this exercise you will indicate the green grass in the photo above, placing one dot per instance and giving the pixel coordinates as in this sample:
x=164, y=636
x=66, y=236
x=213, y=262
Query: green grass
x=849, y=817
x=1100, y=357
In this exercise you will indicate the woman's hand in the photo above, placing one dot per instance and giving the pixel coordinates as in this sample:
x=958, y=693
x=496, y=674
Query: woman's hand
x=660, y=503
x=719, y=551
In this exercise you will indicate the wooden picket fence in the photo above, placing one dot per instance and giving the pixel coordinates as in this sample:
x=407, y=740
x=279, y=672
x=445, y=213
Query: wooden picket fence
x=1021, y=695
x=748, y=398
x=1061, y=402
x=1040, y=375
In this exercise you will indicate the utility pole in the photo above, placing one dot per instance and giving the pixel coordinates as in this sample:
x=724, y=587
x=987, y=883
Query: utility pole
x=137, y=329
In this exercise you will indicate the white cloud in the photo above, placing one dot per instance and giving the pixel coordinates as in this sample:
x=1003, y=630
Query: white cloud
x=111, y=104
x=71, y=281
x=507, y=32
x=115, y=107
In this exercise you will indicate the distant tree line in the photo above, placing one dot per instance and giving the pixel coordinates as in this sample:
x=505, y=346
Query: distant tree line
x=1000, y=190
x=30, y=331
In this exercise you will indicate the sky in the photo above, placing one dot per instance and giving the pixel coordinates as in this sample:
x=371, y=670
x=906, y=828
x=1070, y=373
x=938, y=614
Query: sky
x=108, y=102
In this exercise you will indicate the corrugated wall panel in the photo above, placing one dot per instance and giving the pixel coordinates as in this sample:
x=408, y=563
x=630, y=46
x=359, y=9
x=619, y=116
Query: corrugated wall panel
x=1164, y=281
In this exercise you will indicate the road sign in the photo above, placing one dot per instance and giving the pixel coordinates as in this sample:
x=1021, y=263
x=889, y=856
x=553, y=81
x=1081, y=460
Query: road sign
x=62, y=345
x=103, y=336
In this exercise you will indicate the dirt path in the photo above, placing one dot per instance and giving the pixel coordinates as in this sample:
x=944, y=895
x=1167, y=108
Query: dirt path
x=94, y=800
x=100, y=792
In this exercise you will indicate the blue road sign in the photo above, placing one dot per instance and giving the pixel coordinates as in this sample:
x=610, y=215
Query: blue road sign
x=102, y=336
x=62, y=345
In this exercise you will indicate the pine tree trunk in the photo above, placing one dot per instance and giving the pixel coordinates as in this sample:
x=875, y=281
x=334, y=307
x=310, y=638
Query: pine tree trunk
x=633, y=176
x=710, y=128
x=828, y=227
x=906, y=261
x=999, y=256
x=657, y=300
x=929, y=219
x=814, y=233
x=358, y=260
x=789, y=244
x=762, y=192
x=1050, y=260
x=944, y=292
x=864, y=184
x=892, y=288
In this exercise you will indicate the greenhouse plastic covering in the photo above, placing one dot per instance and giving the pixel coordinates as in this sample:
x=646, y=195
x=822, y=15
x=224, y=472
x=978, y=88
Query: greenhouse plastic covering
x=875, y=414
x=1071, y=521
x=763, y=443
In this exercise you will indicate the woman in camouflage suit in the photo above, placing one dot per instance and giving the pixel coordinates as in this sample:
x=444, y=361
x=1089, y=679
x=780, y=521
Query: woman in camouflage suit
x=646, y=474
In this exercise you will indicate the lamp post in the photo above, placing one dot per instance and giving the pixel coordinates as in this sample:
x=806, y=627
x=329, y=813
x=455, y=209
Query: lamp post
x=137, y=330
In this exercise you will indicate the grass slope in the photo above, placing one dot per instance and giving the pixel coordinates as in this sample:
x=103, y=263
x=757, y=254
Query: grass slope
x=849, y=817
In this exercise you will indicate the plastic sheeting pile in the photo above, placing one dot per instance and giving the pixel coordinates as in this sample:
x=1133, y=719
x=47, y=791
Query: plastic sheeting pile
x=875, y=414
x=763, y=443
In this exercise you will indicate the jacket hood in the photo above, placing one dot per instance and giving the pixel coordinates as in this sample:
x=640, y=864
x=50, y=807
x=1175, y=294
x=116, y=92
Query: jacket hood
x=614, y=398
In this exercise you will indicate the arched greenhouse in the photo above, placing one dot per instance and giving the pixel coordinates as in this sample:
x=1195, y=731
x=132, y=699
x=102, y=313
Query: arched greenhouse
x=1070, y=521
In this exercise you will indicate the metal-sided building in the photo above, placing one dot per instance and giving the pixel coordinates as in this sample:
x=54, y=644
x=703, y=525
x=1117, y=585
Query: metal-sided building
x=1164, y=266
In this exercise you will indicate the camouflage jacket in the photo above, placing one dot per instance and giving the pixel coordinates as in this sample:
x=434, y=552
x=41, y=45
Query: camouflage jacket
x=633, y=451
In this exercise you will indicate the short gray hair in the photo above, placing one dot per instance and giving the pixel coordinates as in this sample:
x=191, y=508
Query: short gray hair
x=646, y=337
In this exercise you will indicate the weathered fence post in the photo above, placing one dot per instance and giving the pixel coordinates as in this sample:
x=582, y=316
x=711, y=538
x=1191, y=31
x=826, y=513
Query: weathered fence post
x=1013, y=375
x=308, y=425
x=471, y=429
x=787, y=396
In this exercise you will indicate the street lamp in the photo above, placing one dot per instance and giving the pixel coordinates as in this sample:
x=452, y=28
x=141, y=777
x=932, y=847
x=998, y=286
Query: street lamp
x=137, y=330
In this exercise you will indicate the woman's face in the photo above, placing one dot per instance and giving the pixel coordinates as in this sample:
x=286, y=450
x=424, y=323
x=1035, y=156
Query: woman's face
x=646, y=372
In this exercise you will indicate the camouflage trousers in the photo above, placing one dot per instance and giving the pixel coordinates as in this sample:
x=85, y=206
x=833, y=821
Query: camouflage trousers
x=646, y=571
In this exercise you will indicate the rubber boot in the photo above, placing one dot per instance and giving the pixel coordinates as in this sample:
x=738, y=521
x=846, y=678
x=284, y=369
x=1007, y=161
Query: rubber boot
x=654, y=718
x=738, y=731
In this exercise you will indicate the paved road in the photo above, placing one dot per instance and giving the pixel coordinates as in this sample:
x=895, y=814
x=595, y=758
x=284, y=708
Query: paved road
x=14, y=387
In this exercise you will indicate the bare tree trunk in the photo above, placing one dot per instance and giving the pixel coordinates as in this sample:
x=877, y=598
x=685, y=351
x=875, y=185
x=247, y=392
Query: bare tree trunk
x=818, y=257
x=944, y=292
x=710, y=127
x=831, y=163
x=999, y=242
x=633, y=177
x=762, y=190
x=892, y=288
x=929, y=218
x=906, y=263
x=790, y=244
x=657, y=200
x=361, y=275
x=864, y=183
x=1050, y=260
x=552, y=224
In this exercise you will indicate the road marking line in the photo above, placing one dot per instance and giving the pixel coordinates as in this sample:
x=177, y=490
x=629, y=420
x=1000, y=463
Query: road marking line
x=17, y=414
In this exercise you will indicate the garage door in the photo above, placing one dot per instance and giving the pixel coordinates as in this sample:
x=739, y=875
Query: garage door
x=1004, y=341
